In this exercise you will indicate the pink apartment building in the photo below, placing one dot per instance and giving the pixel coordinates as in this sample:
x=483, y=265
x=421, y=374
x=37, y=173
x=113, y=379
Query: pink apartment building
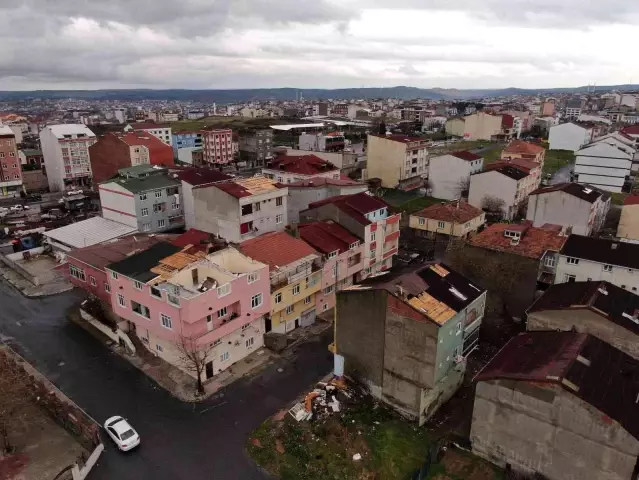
x=219, y=299
x=366, y=217
x=342, y=257
x=217, y=146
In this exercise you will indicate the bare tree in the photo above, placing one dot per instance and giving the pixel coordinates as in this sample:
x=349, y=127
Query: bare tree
x=492, y=204
x=463, y=186
x=14, y=403
x=193, y=357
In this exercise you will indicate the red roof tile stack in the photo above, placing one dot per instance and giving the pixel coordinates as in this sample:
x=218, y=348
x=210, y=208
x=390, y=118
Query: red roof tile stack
x=455, y=212
x=533, y=243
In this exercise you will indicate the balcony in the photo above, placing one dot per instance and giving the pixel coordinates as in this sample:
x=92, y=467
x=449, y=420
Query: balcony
x=289, y=277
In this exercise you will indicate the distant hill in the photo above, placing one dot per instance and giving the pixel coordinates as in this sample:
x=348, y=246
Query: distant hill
x=233, y=96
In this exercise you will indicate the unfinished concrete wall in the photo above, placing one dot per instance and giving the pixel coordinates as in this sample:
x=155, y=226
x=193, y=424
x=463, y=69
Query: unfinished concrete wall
x=544, y=428
x=409, y=356
x=359, y=335
x=586, y=321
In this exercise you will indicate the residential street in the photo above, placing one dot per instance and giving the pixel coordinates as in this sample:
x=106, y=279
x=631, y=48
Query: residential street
x=179, y=441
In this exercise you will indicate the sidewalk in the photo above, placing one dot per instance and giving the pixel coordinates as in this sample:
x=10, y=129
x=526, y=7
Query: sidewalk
x=30, y=290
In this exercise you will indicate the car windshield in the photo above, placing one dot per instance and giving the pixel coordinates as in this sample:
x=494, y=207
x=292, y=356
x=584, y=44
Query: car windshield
x=127, y=434
x=117, y=420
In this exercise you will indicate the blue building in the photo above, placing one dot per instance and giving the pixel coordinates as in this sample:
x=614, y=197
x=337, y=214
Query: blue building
x=186, y=140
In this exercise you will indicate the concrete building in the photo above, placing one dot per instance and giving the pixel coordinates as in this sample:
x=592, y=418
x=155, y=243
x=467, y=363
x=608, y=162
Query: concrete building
x=558, y=405
x=238, y=209
x=32, y=157
x=196, y=177
x=586, y=258
x=503, y=189
x=548, y=108
x=581, y=207
x=574, y=108
x=85, y=233
x=301, y=194
x=217, y=302
x=478, y=126
x=628, y=228
x=404, y=337
x=623, y=142
x=600, y=309
x=319, y=142
x=366, y=217
x=569, y=136
x=288, y=169
x=604, y=166
x=161, y=131
x=185, y=141
x=449, y=175
x=256, y=147
x=217, y=146
x=295, y=278
x=66, y=155
x=397, y=160
x=345, y=161
x=342, y=258
x=10, y=170
x=115, y=151
x=455, y=219
x=143, y=197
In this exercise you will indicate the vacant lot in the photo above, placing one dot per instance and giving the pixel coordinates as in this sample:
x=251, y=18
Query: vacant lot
x=555, y=159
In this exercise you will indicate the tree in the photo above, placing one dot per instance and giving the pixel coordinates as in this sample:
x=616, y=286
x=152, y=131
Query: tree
x=193, y=357
x=463, y=186
x=492, y=204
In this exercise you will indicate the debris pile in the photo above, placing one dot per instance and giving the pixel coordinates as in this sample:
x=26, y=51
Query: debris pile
x=325, y=400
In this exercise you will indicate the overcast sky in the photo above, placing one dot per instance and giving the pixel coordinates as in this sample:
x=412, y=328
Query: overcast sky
x=59, y=44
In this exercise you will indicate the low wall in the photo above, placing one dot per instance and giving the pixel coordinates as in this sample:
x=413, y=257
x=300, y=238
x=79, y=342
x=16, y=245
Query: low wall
x=10, y=262
x=117, y=336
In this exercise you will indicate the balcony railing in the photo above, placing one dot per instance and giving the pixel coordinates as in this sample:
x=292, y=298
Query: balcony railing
x=286, y=278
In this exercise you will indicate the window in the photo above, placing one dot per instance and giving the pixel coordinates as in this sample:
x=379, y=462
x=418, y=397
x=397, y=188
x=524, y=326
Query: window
x=279, y=201
x=422, y=221
x=166, y=321
x=138, y=285
x=143, y=196
x=290, y=309
x=145, y=212
x=253, y=277
x=217, y=342
x=459, y=328
x=244, y=327
x=158, y=347
x=161, y=223
x=441, y=224
x=372, y=236
x=224, y=357
x=353, y=245
x=607, y=268
x=279, y=218
x=146, y=227
x=77, y=273
x=158, y=194
x=140, y=309
x=569, y=278
x=107, y=287
x=572, y=261
x=223, y=290
x=329, y=290
x=121, y=300
x=175, y=205
x=158, y=207
x=256, y=300
x=247, y=209
x=335, y=270
x=549, y=261
x=308, y=300
x=156, y=292
x=278, y=298
x=93, y=282
x=173, y=299
x=257, y=207
x=296, y=289
x=221, y=312
x=333, y=254
x=250, y=342
x=114, y=275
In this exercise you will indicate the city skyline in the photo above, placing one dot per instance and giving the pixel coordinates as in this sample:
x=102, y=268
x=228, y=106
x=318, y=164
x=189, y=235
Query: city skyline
x=321, y=44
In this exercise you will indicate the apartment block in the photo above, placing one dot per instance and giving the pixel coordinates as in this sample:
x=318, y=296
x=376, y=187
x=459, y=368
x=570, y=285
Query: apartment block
x=66, y=155
x=398, y=161
x=256, y=147
x=161, y=131
x=217, y=146
x=10, y=169
x=288, y=169
x=295, y=278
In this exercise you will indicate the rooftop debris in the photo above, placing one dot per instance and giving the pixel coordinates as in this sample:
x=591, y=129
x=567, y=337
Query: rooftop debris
x=324, y=400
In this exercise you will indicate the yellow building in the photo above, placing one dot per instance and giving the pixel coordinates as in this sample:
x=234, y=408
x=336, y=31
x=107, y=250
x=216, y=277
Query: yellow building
x=629, y=222
x=478, y=126
x=457, y=219
x=296, y=276
x=399, y=161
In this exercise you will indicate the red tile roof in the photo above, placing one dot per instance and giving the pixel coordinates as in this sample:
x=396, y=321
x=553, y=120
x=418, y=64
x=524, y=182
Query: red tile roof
x=101, y=255
x=520, y=163
x=533, y=244
x=276, y=249
x=461, y=212
x=327, y=236
x=200, y=241
x=465, y=155
x=234, y=189
x=631, y=130
x=356, y=205
x=202, y=176
x=322, y=181
x=519, y=146
x=303, y=165
x=631, y=200
x=140, y=138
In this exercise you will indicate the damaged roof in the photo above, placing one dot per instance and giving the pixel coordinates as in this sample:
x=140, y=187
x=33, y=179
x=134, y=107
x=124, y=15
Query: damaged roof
x=139, y=265
x=584, y=192
x=327, y=236
x=589, y=368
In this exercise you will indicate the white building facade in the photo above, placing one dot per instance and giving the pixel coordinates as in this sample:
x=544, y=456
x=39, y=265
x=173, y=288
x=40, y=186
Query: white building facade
x=604, y=166
x=568, y=136
x=449, y=175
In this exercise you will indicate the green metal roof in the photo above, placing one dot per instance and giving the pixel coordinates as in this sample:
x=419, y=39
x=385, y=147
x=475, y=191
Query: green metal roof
x=143, y=184
x=138, y=170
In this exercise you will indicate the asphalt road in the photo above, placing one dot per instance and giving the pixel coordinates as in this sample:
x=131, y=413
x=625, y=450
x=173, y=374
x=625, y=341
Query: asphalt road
x=179, y=441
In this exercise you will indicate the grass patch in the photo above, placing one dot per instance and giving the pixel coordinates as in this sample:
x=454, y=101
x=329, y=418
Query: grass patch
x=617, y=198
x=555, y=159
x=491, y=156
x=419, y=203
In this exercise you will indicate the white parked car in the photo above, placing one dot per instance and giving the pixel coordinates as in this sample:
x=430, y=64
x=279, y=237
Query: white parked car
x=122, y=433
